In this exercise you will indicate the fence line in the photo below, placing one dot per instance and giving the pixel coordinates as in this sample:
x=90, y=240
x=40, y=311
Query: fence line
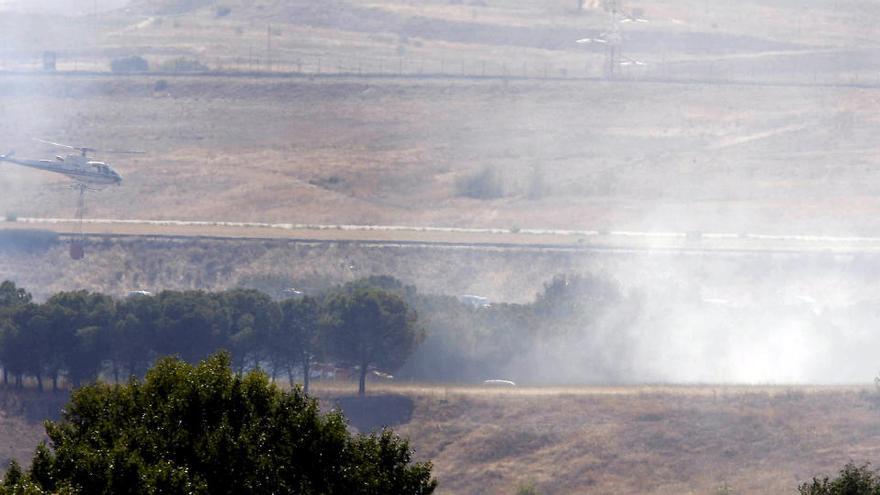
x=589, y=68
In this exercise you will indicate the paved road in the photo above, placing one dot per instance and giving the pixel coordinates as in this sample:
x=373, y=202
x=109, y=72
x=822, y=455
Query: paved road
x=587, y=240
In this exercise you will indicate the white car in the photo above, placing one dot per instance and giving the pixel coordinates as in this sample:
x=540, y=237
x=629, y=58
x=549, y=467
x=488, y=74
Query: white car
x=138, y=293
x=499, y=383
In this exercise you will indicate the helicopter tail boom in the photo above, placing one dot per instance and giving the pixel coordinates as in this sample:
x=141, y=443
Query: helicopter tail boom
x=8, y=155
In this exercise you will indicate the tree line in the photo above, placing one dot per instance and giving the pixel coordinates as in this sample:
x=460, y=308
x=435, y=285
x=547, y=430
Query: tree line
x=79, y=335
x=578, y=329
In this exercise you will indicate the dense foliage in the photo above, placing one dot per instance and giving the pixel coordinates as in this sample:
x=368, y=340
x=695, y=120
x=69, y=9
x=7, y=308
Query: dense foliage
x=205, y=429
x=852, y=480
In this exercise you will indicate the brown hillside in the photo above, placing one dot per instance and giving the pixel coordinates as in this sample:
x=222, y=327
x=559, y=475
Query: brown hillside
x=639, y=440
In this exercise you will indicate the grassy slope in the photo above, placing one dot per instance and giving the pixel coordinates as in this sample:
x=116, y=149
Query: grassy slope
x=599, y=156
x=21, y=422
x=690, y=440
x=18, y=438
x=838, y=282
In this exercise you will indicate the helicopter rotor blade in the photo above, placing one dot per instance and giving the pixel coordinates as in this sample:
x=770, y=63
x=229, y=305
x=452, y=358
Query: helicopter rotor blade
x=57, y=144
x=85, y=149
x=122, y=152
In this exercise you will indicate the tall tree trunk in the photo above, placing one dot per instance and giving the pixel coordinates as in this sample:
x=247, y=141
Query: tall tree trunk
x=290, y=380
x=39, y=382
x=306, y=374
x=362, y=385
x=55, y=382
x=5, y=376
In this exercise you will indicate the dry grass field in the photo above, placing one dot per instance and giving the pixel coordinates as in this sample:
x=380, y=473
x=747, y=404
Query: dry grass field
x=21, y=422
x=563, y=155
x=646, y=440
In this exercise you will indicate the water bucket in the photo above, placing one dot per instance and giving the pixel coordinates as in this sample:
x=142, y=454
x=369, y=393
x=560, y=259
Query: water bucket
x=77, y=250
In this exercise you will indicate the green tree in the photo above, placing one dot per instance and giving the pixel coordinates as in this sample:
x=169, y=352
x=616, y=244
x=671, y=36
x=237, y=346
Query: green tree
x=253, y=319
x=852, y=480
x=192, y=324
x=25, y=343
x=11, y=298
x=14, y=361
x=33, y=344
x=132, y=345
x=57, y=340
x=370, y=327
x=204, y=429
x=85, y=329
x=297, y=339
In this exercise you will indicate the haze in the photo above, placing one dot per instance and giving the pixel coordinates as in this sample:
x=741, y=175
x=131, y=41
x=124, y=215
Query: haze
x=739, y=122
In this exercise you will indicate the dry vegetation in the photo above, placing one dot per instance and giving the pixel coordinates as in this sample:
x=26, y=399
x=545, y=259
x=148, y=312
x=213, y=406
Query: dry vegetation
x=838, y=282
x=564, y=154
x=650, y=440
x=21, y=422
x=633, y=156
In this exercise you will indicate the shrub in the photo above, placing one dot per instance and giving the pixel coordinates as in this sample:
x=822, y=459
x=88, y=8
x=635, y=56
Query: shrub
x=27, y=240
x=484, y=184
x=526, y=489
x=182, y=64
x=853, y=480
x=129, y=64
x=724, y=489
x=536, y=188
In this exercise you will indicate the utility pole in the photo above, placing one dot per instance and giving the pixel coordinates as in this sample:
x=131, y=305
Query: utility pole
x=269, y=47
x=613, y=39
x=97, y=27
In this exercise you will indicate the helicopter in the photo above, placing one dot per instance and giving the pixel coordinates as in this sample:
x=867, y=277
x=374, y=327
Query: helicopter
x=87, y=175
x=79, y=167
